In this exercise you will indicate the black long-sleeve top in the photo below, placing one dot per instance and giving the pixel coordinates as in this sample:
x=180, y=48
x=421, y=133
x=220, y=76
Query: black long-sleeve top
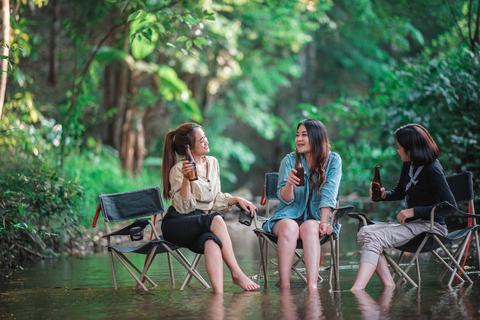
x=431, y=189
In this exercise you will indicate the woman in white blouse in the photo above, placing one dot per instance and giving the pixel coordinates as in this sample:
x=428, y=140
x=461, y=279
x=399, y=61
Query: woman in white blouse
x=193, y=220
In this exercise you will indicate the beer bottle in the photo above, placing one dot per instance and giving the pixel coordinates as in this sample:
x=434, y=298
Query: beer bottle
x=377, y=185
x=299, y=167
x=192, y=175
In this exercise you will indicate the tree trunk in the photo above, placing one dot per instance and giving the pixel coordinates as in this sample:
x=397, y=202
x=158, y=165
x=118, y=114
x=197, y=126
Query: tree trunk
x=52, y=54
x=116, y=82
x=127, y=149
x=132, y=148
x=6, y=41
x=140, y=150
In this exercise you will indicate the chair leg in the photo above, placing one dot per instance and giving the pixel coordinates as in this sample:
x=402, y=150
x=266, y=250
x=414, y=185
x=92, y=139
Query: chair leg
x=148, y=263
x=453, y=259
x=184, y=262
x=337, y=263
x=261, y=266
x=294, y=266
x=477, y=248
x=399, y=270
x=191, y=270
x=417, y=266
x=266, y=257
x=399, y=261
x=130, y=271
x=458, y=258
x=136, y=268
x=413, y=259
x=113, y=271
x=194, y=265
x=334, y=271
x=172, y=278
x=330, y=271
x=447, y=267
x=267, y=245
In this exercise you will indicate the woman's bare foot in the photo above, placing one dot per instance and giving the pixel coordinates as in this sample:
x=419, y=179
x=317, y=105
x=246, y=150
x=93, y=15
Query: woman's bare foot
x=245, y=283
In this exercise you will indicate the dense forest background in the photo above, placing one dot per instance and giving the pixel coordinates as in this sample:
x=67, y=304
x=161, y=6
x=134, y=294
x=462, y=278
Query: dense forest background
x=90, y=87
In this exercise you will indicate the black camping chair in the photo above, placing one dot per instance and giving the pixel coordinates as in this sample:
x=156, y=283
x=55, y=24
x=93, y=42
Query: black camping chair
x=138, y=205
x=429, y=241
x=266, y=239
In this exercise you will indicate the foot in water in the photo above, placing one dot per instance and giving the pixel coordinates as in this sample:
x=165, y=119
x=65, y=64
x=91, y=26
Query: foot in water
x=245, y=283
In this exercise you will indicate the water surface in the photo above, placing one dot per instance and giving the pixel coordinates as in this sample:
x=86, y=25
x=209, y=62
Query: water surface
x=82, y=288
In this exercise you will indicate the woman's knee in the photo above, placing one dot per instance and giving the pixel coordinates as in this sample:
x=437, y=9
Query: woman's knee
x=309, y=228
x=218, y=222
x=370, y=240
x=287, y=229
x=364, y=235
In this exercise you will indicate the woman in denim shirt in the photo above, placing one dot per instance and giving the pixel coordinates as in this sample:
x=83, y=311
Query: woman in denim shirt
x=304, y=211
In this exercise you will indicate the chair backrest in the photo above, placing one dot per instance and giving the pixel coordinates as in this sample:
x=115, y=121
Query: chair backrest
x=131, y=204
x=461, y=185
x=271, y=182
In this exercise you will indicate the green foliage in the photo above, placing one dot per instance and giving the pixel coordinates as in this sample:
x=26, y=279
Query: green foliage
x=37, y=206
x=441, y=93
x=99, y=172
x=37, y=212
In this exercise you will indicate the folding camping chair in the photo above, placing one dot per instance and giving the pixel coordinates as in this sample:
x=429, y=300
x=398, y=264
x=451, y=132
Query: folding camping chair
x=429, y=241
x=266, y=239
x=138, y=205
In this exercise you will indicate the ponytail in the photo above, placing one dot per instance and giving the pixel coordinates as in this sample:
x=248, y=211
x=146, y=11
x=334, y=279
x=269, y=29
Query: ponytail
x=174, y=143
x=169, y=160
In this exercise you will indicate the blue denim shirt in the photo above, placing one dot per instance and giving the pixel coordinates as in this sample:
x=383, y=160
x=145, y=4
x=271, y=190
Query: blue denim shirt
x=296, y=207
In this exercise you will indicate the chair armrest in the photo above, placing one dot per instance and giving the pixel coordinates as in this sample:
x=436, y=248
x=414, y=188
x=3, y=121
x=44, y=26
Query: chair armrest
x=341, y=212
x=362, y=218
x=446, y=209
x=258, y=219
x=138, y=226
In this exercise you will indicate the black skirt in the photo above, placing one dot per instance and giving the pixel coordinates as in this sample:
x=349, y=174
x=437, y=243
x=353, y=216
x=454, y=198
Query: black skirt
x=190, y=230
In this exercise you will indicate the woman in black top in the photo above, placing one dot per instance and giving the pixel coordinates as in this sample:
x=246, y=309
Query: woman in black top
x=422, y=184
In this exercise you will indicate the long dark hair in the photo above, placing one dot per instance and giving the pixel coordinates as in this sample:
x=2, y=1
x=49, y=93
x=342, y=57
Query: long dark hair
x=174, y=143
x=320, y=149
x=415, y=139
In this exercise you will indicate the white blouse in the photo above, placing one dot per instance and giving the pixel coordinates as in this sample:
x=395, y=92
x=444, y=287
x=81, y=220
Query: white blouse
x=205, y=193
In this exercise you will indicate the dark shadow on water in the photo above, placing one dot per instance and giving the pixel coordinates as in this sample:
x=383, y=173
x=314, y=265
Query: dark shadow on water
x=81, y=288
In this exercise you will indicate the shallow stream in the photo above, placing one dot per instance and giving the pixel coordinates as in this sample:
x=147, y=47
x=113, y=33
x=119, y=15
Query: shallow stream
x=82, y=288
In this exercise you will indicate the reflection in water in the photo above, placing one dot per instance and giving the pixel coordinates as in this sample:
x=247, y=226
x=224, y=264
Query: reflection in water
x=314, y=308
x=310, y=301
x=216, y=311
x=241, y=303
x=288, y=309
x=371, y=309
